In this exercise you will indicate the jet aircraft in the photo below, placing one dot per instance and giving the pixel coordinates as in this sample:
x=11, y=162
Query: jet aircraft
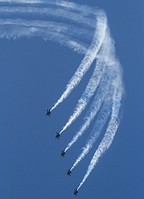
x=75, y=192
x=63, y=153
x=68, y=172
x=48, y=112
x=57, y=135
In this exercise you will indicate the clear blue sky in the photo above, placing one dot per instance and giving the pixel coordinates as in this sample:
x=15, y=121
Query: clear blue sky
x=33, y=76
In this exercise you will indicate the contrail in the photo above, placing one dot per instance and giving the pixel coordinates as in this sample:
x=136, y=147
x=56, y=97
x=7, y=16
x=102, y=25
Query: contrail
x=16, y=32
x=67, y=29
x=116, y=103
x=82, y=25
x=81, y=9
x=87, y=60
x=103, y=57
x=46, y=12
x=110, y=132
x=94, y=108
x=103, y=98
x=87, y=94
x=97, y=129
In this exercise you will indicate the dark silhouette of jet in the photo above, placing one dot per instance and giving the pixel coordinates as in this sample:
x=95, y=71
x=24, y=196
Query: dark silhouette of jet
x=48, y=112
x=63, y=153
x=68, y=172
x=75, y=192
x=57, y=135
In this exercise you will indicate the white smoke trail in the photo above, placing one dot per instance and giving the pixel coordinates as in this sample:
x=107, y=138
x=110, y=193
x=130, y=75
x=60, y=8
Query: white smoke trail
x=54, y=12
x=50, y=26
x=104, y=95
x=62, y=13
x=88, y=59
x=82, y=9
x=97, y=129
x=87, y=94
x=104, y=57
x=110, y=132
x=94, y=108
x=81, y=15
x=16, y=32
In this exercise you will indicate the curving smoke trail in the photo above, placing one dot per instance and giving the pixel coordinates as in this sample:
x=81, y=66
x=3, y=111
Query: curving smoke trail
x=100, y=26
x=58, y=13
x=71, y=30
x=81, y=25
x=17, y=28
x=94, y=109
x=87, y=94
x=15, y=32
x=91, y=54
x=102, y=60
x=103, y=98
x=97, y=129
x=110, y=131
x=101, y=106
x=83, y=10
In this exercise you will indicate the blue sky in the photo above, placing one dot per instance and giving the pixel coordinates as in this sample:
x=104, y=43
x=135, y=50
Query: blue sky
x=33, y=76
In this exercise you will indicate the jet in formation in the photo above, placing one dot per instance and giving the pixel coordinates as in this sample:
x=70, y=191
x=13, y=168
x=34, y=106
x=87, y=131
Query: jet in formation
x=48, y=112
x=57, y=135
x=68, y=172
x=63, y=153
x=75, y=192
